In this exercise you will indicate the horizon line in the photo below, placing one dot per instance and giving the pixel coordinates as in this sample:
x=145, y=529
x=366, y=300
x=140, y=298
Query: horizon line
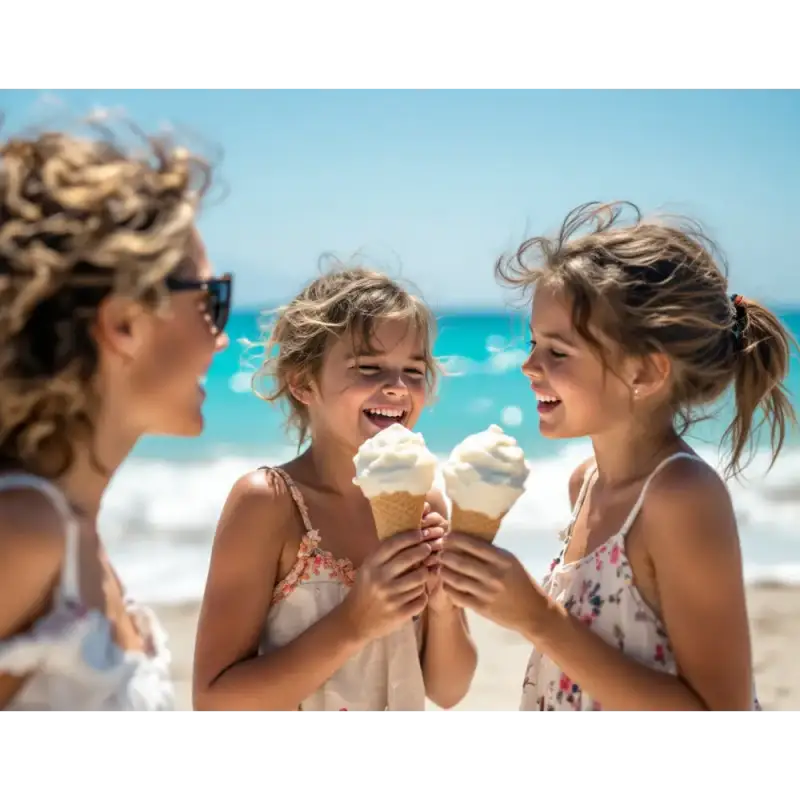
x=476, y=307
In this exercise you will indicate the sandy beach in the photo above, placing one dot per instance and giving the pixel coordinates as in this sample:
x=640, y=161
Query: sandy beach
x=775, y=624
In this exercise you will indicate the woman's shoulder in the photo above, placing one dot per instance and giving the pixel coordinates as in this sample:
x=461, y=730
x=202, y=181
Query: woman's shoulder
x=32, y=547
x=32, y=523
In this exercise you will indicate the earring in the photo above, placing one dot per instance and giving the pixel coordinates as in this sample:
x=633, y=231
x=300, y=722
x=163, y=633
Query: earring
x=636, y=393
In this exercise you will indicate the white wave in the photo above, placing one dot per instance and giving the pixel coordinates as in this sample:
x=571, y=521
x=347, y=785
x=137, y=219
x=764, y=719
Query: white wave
x=159, y=517
x=498, y=362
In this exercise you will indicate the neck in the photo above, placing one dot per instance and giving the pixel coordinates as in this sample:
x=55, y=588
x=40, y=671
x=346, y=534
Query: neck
x=95, y=463
x=628, y=455
x=332, y=463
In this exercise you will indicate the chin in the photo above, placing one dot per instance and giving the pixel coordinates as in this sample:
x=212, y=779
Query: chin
x=549, y=431
x=184, y=429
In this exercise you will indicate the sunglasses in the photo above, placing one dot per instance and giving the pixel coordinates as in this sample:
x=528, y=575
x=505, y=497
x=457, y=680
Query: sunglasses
x=218, y=296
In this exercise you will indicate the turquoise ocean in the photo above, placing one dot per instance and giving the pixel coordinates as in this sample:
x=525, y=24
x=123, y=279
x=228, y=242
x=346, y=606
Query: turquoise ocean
x=159, y=515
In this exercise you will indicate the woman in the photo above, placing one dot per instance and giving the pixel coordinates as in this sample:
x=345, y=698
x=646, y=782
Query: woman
x=109, y=318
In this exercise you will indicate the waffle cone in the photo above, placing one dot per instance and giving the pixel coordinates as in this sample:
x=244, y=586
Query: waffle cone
x=396, y=512
x=474, y=523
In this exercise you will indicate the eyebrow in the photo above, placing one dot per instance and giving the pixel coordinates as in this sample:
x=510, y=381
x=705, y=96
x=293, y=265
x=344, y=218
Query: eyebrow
x=372, y=351
x=555, y=336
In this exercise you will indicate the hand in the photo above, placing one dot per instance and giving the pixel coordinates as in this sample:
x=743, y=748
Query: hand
x=390, y=585
x=491, y=582
x=435, y=526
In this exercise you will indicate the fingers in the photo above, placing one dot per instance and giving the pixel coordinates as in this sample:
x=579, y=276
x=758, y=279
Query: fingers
x=389, y=548
x=409, y=596
x=433, y=520
x=436, y=545
x=414, y=606
x=463, y=599
x=460, y=584
x=410, y=581
x=405, y=560
x=477, y=548
x=460, y=563
x=434, y=532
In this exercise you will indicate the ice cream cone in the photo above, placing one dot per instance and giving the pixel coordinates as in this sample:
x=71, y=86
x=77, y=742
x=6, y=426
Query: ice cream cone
x=484, y=476
x=474, y=523
x=396, y=512
x=395, y=472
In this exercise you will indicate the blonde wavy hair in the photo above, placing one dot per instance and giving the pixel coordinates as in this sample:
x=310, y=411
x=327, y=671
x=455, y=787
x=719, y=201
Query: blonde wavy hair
x=81, y=217
x=347, y=301
x=660, y=286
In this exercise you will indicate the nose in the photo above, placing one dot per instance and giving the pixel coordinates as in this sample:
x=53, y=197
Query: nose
x=532, y=368
x=396, y=388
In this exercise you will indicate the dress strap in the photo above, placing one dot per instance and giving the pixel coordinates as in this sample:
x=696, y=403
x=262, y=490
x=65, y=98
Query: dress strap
x=591, y=471
x=69, y=587
x=640, y=499
x=587, y=479
x=296, y=496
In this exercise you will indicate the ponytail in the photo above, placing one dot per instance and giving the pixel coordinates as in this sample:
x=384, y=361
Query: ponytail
x=762, y=366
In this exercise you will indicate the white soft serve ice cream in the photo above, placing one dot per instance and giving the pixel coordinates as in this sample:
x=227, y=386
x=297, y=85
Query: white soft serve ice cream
x=486, y=473
x=394, y=460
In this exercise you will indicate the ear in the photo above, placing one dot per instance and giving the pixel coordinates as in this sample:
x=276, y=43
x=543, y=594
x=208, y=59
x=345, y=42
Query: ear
x=651, y=376
x=301, y=388
x=119, y=326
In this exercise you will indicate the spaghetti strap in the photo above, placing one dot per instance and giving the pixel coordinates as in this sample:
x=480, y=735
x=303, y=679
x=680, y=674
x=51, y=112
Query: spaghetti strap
x=587, y=479
x=296, y=496
x=637, y=507
x=69, y=586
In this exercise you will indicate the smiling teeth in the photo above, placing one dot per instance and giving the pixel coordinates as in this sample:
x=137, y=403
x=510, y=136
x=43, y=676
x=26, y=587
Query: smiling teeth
x=385, y=412
x=546, y=398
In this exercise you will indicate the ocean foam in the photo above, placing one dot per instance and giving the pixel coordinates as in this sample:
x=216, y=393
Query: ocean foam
x=159, y=517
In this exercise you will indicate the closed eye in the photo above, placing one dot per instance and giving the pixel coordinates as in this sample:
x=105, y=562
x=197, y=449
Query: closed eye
x=374, y=369
x=552, y=351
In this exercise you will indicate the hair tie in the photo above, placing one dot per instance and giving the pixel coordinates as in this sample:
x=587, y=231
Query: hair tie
x=739, y=314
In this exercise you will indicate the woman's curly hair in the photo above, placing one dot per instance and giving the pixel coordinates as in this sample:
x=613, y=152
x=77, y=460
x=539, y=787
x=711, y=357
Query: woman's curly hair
x=81, y=218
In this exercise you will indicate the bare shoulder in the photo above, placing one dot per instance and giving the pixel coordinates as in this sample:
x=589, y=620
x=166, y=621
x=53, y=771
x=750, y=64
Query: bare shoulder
x=576, y=480
x=259, y=501
x=437, y=501
x=688, y=506
x=256, y=519
x=250, y=537
x=689, y=528
x=31, y=555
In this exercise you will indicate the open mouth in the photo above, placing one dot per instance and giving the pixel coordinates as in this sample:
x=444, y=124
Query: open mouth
x=545, y=403
x=384, y=417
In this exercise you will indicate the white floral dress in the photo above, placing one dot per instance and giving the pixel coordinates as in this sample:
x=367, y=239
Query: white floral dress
x=599, y=590
x=386, y=675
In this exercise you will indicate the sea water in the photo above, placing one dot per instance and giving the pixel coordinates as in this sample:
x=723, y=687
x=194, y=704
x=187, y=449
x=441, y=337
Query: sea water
x=159, y=516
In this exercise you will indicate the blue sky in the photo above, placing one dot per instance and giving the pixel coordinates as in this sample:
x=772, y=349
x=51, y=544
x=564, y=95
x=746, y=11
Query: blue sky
x=432, y=185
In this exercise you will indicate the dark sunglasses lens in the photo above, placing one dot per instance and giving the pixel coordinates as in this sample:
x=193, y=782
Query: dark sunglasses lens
x=219, y=302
